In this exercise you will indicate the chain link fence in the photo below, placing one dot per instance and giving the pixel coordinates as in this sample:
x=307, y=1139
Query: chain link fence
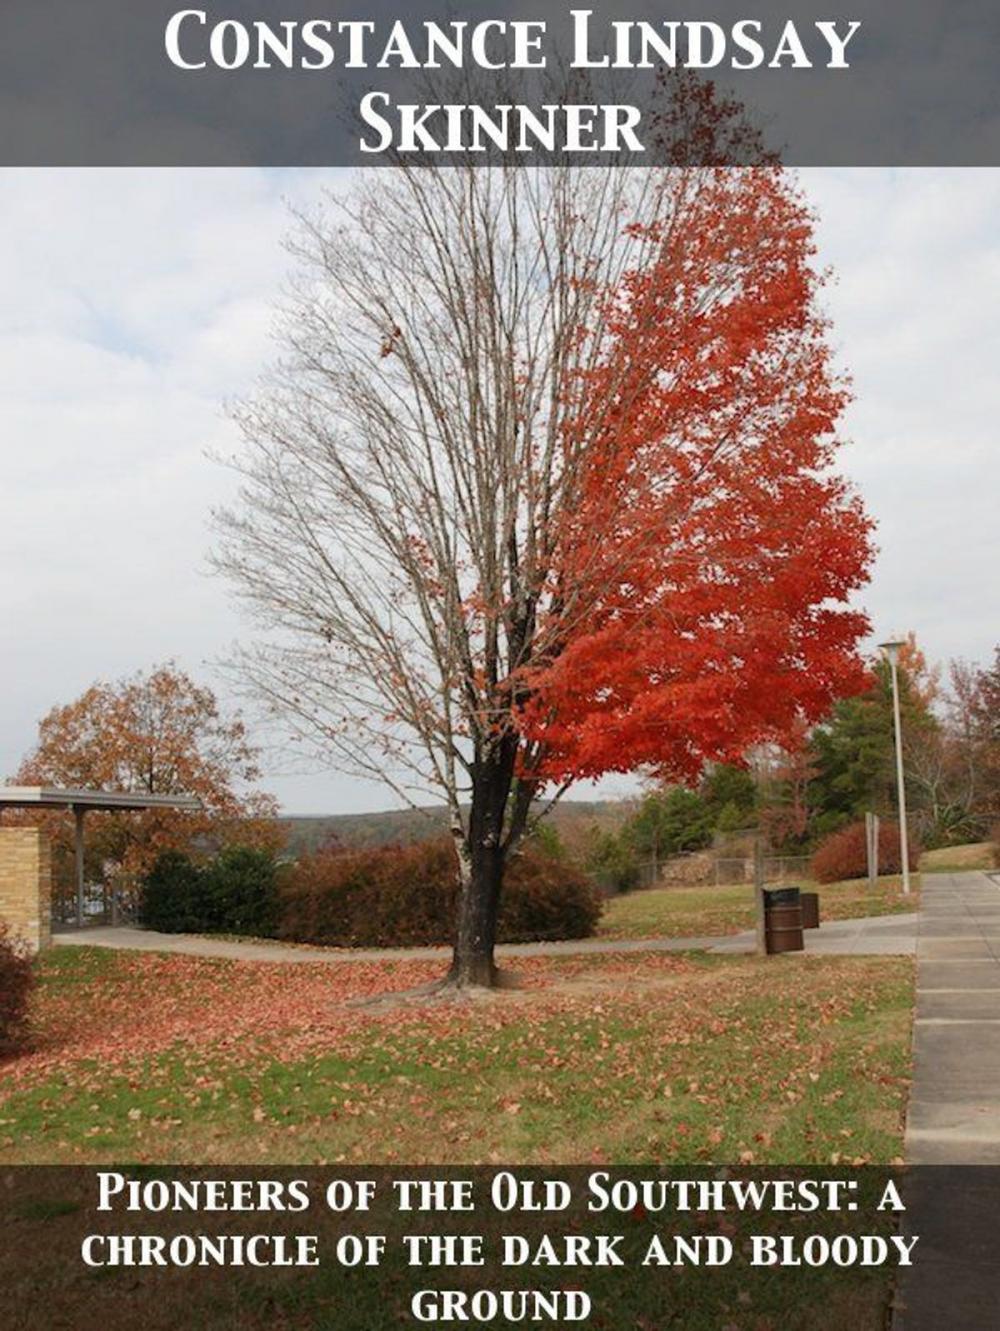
x=706, y=868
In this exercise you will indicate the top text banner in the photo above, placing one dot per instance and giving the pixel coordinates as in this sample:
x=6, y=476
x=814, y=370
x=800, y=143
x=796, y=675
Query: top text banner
x=339, y=83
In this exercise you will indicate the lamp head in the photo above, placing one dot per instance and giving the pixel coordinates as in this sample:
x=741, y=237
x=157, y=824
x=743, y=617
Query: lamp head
x=891, y=647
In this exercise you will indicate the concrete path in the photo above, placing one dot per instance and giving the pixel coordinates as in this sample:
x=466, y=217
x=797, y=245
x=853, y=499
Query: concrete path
x=146, y=940
x=870, y=936
x=954, y=1114
x=875, y=936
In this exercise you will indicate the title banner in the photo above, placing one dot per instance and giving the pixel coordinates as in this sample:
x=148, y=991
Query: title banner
x=326, y=83
x=598, y=1247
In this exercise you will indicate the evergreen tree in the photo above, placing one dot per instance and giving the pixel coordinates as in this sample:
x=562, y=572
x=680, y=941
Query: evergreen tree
x=730, y=793
x=853, y=752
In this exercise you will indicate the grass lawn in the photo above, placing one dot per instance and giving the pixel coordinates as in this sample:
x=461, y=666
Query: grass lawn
x=682, y=912
x=638, y=1058
x=956, y=859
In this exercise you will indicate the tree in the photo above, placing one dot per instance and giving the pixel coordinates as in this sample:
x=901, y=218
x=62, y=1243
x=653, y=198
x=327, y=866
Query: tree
x=732, y=789
x=986, y=718
x=853, y=750
x=668, y=822
x=542, y=488
x=157, y=733
x=786, y=773
x=611, y=860
x=968, y=767
x=987, y=705
x=852, y=758
x=923, y=679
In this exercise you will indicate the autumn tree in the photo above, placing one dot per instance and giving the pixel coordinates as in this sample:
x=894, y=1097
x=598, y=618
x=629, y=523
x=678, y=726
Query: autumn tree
x=543, y=487
x=785, y=774
x=964, y=772
x=158, y=733
x=986, y=718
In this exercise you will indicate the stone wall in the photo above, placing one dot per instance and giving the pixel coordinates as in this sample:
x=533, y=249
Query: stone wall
x=26, y=884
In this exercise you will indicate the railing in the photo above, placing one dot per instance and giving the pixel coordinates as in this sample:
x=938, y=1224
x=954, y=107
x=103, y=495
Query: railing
x=777, y=868
x=102, y=905
x=700, y=868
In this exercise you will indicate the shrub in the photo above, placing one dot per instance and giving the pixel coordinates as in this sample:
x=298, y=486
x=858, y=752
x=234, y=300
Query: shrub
x=545, y=898
x=952, y=827
x=843, y=854
x=235, y=893
x=17, y=976
x=239, y=893
x=171, y=895
x=401, y=896
x=377, y=896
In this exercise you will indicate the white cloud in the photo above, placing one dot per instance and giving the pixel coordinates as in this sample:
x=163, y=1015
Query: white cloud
x=137, y=302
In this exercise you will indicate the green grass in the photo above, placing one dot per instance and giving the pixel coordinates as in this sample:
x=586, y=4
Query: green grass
x=626, y=1059
x=695, y=912
x=648, y=1058
x=70, y=966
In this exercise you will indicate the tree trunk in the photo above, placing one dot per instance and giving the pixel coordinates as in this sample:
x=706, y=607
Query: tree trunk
x=481, y=859
x=472, y=962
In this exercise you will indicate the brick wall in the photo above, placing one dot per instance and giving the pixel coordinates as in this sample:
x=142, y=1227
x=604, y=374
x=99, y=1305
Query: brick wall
x=26, y=884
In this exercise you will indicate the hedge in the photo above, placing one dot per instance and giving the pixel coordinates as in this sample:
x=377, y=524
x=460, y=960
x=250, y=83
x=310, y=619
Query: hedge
x=236, y=893
x=396, y=896
x=170, y=895
x=17, y=978
x=843, y=854
x=241, y=892
x=407, y=896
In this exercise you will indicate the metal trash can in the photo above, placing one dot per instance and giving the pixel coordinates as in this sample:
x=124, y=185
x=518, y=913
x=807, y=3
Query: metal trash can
x=783, y=920
x=810, y=909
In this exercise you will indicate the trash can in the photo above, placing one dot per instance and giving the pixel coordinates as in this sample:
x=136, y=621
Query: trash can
x=783, y=920
x=810, y=909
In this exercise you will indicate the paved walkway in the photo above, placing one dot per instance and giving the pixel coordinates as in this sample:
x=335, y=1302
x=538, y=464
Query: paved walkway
x=954, y=1114
x=870, y=936
x=875, y=936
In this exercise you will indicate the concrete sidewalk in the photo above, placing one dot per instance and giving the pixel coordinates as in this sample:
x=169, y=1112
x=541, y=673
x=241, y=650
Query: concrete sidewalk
x=954, y=1114
x=885, y=935
x=196, y=945
x=869, y=936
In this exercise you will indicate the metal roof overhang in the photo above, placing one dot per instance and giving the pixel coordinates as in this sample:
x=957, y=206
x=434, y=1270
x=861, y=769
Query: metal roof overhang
x=50, y=797
x=81, y=802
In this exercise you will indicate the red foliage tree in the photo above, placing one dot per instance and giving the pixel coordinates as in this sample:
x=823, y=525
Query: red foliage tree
x=702, y=565
x=580, y=517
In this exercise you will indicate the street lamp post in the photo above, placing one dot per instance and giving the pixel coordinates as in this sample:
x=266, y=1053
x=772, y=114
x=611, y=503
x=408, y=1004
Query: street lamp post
x=891, y=652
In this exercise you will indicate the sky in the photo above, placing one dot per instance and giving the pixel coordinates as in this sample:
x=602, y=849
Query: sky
x=138, y=302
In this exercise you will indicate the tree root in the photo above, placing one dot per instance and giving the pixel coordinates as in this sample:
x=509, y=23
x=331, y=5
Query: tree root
x=445, y=991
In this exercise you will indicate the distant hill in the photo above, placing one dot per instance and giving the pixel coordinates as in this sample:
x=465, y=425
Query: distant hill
x=573, y=819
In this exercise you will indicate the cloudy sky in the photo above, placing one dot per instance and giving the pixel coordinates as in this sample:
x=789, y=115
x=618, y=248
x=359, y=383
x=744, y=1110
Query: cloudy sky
x=138, y=302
